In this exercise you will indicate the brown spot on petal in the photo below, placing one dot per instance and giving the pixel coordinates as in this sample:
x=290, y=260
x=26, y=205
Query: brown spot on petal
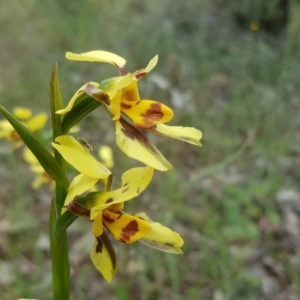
x=140, y=75
x=131, y=132
x=126, y=106
x=138, y=190
x=99, y=245
x=125, y=190
x=97, y=94
x=169, y=244
x=107, y=218
x=129, y=95
x=129, y=230
x=109, y=200
x=151, y=116
x=125, y=184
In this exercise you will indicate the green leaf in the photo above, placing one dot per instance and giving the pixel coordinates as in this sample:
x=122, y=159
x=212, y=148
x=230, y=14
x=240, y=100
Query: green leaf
x=55, y=103
x=64, y=221
x=44, y=157
x=84, y=105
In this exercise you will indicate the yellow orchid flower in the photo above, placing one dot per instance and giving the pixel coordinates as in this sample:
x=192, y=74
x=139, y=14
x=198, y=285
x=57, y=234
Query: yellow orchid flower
x=41, y=176
x=125, y=102
x=106, y=212
x=33, y=124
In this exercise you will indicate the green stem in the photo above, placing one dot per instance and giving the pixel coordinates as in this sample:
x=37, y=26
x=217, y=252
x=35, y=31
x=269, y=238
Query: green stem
x=59, y=258
x=59, y=243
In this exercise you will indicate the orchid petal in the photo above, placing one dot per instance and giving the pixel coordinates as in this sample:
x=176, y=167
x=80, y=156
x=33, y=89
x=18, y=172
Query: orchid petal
x=161, y=238
x=103, y=257
x=124, y=227
x=77, y=156
x=78, y=186
x=136, y=145
x=147, y=113
x=142, y=72
x=37, y=122
x=134, y=182
x=98, y=56
x=187, y=134
x=22, y=113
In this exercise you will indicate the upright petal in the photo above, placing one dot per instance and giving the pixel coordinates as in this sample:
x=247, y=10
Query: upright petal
x=187, y=134
x=98, y=56
x=125, y=228
x=77, y=156
x=142, y=72
x=161, y=238
x=136, y=145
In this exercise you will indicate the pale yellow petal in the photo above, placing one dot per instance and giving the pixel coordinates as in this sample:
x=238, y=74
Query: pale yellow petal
x=75, y=97
x=29, y=157
x=103, y=258
x=98, y=225
x=187, y=134
x=134, y=182
x=136, y=145
x=78, y=186
x=142, y=72
x=161, y=237
x=37, y=122
x=106, y=155
x=98, y=56
x=22, y=113
x=81, y=159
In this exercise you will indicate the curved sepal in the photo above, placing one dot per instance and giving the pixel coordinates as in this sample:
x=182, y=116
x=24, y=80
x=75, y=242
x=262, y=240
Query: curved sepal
x=103, y=257
x=136, y=145
x=44, y=157
x=161, y=237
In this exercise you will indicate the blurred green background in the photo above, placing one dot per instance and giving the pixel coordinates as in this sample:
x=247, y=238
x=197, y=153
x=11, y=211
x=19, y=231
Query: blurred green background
x=230, y=69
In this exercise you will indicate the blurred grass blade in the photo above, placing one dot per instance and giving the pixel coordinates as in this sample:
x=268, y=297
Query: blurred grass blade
x=55, y=103
x=63, y=222
x=84, y=105
x=44, y=157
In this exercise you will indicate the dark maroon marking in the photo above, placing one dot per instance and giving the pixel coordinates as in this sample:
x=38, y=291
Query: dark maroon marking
x=169, y=244
x=97, y=94
x=109, y=200
x=108, y=219
x=129, y=230
x=128, y=95
x=139, y=76
x=126, y=106
x=77, y=209
x=99, y=245
x=125, y=190
x=134, y=134
x=131, y=132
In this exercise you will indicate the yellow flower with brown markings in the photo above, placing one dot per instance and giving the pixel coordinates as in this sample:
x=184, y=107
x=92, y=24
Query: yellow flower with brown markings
x=120, y=96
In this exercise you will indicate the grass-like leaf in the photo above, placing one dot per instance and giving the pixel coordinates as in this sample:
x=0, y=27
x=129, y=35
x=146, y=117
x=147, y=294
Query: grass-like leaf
x=44, y=157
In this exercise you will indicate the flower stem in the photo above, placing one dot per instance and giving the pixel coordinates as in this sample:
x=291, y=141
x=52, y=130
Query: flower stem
x=59, y=257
